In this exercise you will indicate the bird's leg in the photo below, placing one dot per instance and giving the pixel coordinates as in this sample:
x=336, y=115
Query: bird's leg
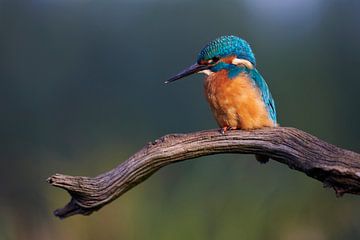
x=223, y=130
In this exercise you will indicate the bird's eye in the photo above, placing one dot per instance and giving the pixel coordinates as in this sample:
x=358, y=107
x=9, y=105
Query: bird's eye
x=213, y=60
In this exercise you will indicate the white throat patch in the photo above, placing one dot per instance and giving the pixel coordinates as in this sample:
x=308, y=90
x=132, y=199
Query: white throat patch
x=206, y=72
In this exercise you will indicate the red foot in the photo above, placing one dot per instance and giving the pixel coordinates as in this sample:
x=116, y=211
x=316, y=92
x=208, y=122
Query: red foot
x=223, y=130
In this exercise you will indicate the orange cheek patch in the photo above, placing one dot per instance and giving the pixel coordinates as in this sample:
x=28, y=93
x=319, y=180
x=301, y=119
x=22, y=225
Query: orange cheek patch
x=228, y=59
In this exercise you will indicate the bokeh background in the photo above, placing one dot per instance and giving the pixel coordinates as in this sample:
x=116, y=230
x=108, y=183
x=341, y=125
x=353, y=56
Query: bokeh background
x=81, y=89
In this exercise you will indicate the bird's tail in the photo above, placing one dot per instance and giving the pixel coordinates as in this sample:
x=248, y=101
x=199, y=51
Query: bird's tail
x=262, y=158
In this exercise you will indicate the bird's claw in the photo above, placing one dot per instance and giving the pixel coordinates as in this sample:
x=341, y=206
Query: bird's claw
x=223, y=130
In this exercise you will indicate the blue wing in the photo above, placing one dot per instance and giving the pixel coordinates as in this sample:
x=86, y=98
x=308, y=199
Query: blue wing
x=265, y=93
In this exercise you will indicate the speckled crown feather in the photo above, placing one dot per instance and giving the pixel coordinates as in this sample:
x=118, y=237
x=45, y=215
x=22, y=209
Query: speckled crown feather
x=227, y=46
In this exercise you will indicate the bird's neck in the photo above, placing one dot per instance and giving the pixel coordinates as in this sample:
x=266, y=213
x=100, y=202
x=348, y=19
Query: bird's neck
x=231, y=69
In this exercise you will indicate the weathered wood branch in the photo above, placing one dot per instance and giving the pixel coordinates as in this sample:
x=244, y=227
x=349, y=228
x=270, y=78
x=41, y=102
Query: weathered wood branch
x=335, y=167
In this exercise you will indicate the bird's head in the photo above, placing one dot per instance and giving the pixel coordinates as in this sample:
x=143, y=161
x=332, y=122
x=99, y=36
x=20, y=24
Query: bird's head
x=221, y=53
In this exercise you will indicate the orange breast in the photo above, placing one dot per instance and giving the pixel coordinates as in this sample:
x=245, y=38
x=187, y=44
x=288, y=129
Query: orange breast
x=236, y=102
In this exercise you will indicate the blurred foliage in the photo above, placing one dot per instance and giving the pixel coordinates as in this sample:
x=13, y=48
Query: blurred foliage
x=81, y=90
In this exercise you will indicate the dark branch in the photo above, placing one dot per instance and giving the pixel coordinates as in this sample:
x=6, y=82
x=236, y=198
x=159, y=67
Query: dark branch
x=335, y=167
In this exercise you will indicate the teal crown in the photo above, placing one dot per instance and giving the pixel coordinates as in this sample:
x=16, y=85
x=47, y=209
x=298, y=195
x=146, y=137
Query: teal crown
x=226, y=46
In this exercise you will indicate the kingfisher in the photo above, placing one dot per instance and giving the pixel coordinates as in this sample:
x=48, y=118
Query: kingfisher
x=235, y=90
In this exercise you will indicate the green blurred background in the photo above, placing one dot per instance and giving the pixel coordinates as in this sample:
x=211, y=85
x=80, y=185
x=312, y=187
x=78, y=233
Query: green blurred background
x=82, y=89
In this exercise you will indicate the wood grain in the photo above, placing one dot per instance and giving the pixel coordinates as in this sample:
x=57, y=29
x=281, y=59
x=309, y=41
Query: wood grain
x=335, y=167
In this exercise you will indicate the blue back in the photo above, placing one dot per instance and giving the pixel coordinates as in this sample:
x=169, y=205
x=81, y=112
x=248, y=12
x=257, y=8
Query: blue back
x=265, y=93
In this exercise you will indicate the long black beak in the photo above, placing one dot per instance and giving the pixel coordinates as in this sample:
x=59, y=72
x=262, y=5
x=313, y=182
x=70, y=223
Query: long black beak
x=195, y=68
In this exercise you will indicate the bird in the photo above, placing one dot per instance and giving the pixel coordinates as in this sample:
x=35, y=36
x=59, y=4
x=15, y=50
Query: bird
x=237, y=94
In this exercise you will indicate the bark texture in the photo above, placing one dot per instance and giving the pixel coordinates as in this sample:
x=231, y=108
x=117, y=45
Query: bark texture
x=335, y=167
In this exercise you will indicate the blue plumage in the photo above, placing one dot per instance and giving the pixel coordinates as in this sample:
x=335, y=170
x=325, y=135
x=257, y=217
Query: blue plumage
x=225, y=46
x=234, y=55
x=219, y=48
x=265, y=93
